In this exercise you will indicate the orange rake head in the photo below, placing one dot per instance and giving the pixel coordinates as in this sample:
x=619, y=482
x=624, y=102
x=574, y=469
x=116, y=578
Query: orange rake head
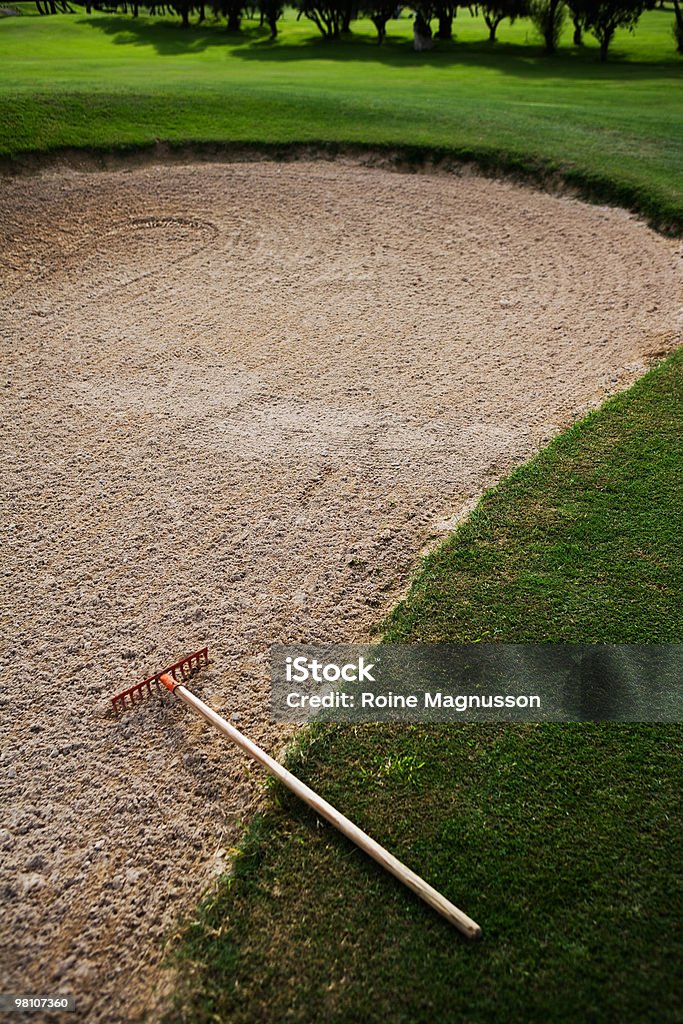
x=185, y=668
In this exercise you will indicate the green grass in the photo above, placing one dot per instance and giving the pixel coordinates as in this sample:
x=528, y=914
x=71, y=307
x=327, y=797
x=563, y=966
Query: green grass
x=563, y=841
x=582, y=543
x=104, y=81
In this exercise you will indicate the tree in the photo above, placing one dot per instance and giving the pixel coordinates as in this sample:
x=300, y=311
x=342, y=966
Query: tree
x=327, y=15
x=422, y=30
x=232, y=10
x=678, y=25
x=577, y=20
x=577, y=38
x=445, y=11
x=548, y=17
x=183, y=8
x=379, y=12
x=495, y=11
x=271, y=11
x=53, y=6
x=350, y=11
x=604, y=17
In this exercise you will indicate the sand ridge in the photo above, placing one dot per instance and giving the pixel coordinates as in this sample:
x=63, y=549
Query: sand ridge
x=239, y=400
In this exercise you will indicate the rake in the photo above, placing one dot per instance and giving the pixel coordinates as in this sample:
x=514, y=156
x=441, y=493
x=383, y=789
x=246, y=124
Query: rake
x=168, y=678
x=186, y=667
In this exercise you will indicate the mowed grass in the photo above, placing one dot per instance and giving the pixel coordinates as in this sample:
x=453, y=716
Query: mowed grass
x=108, y=81
x=562, y=841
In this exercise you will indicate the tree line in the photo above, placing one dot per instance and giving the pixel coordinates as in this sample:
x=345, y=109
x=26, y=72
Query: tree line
x=333, y=18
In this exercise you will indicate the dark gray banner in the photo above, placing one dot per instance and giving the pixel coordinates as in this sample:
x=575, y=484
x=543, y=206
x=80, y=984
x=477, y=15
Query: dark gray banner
x=477, y=682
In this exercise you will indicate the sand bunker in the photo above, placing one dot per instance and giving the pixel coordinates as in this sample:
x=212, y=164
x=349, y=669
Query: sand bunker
x=239, y=400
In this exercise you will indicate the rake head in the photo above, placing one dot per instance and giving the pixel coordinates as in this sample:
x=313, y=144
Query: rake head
x=183, y=668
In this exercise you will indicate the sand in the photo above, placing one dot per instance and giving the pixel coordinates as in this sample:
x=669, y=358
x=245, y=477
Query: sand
x=238, y=400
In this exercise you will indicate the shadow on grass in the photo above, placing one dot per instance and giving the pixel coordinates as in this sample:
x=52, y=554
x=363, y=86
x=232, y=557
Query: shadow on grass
x=253, y=43
x=169, y=38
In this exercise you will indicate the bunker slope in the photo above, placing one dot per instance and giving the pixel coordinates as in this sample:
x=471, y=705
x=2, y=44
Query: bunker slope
x=238, y=401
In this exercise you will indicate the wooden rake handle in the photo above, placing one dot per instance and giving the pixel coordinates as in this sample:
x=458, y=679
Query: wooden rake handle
x=457, y=917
